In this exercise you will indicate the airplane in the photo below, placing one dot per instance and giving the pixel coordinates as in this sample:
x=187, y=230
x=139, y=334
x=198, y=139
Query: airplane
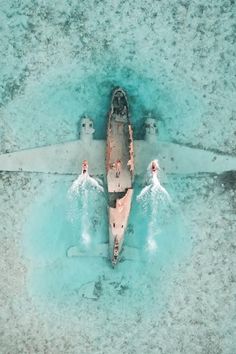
x=120, y=159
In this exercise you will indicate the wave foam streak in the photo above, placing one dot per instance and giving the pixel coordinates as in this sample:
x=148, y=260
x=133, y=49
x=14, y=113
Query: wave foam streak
x=82, y=195
x=156, y=202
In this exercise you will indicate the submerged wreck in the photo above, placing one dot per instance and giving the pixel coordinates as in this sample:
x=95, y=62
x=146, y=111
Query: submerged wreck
x=119, y=170
x=118, y=159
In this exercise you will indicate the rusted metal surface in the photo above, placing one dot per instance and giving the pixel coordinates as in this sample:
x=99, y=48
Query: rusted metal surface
x=131, y=151
x=120, y=170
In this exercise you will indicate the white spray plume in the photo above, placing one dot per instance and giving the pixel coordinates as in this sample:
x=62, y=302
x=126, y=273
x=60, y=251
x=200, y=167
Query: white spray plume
x=152, y=197
x=79, y=195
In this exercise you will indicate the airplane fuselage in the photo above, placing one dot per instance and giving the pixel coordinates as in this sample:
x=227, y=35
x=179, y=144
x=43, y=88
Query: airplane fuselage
x=119, y=171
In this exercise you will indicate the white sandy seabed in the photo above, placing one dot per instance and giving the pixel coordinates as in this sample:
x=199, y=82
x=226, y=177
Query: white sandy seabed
x=180, y=58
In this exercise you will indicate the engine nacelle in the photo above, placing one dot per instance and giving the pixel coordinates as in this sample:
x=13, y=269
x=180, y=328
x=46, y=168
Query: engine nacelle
x=86, y=129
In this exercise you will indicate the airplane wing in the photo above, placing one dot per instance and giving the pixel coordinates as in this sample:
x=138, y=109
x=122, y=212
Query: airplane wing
x=63, y=158
x=178, y=159
x=67, y=158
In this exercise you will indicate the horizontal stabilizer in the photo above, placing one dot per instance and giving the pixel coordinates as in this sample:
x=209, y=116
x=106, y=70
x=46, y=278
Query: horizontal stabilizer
x=101, y=250
x=130, y=254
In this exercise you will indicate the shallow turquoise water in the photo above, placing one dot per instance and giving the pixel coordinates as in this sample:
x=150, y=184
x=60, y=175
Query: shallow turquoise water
x=56, y=223
x=49, y=232
x=60, y=60
x=52, y=107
